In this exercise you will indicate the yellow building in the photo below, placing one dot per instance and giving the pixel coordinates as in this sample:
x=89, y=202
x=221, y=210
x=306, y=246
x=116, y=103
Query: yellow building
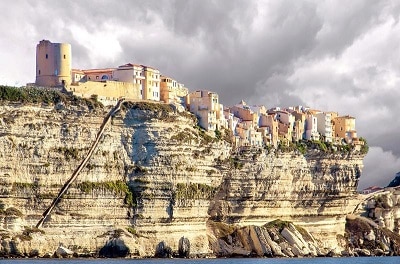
x=53, y=64
x=151, y=89
x=172, y=92
x=345, y=128
x=107, y=92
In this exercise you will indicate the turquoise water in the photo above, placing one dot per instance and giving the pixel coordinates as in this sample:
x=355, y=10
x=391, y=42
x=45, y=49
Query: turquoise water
x=361, y=260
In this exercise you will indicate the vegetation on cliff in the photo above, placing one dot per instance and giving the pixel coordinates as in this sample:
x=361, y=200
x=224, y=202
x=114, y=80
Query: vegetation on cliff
x=117, y=187
x=46, y=96
x=303, y=146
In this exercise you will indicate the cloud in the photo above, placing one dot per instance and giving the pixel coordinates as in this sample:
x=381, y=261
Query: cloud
x=380, y=168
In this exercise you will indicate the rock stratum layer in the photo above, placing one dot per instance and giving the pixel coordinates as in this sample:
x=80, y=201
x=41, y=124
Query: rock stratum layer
x=156, y=183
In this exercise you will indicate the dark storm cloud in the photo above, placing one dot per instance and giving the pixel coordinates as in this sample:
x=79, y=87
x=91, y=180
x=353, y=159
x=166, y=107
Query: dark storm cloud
x=333, y=55
x=345, y=22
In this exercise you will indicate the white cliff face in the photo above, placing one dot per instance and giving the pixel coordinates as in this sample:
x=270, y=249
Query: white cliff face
x=384, y=209
x=154, y=177
x=312, y=191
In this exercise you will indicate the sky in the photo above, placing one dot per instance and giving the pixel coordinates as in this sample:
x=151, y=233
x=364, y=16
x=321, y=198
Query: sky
x=341, y=56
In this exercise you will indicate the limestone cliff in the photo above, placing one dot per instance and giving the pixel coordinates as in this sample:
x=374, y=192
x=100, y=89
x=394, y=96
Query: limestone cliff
x=315, y=190
x=154, y=178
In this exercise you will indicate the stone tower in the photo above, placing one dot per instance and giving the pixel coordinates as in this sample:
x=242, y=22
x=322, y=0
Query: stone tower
x=53, y=64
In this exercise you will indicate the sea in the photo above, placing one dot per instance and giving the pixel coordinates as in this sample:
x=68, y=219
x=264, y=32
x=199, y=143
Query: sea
x=358, y=260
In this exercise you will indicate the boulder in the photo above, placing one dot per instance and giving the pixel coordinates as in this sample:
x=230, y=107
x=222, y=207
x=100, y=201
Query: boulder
x=63, y=252
x=370, y=236
x=295, y=239
x=276, y=249
x=379, y=252
x=286, y=249
x=362, y=252
x=240, y=252
x=261, y=246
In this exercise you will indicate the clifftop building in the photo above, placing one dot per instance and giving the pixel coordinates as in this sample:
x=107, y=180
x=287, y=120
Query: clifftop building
x=53, y=64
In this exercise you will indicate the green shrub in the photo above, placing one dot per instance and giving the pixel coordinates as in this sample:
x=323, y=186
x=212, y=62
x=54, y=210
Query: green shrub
x=131, y=230
x=278, y=223
x=364, y=148
x=154, y=107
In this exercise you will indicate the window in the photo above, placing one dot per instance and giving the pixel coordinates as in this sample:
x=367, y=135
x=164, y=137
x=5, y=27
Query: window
x=64, y=56
x=39, y=72
x=47, y=56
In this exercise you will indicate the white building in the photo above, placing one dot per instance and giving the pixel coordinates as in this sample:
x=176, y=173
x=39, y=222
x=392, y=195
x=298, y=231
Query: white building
x=131, y=73
x=312, y=127
x=324, y=125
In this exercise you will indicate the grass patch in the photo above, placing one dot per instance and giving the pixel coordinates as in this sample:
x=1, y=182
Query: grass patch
x=194, y=191
x=278, y=223
x=117, y=187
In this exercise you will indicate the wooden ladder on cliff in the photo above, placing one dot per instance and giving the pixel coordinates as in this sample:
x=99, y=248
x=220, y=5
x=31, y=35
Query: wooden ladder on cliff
x=83, y=164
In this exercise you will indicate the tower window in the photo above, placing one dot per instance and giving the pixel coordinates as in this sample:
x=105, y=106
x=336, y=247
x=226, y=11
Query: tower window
x=39, y=72
x=64, y=56
x=47, y=56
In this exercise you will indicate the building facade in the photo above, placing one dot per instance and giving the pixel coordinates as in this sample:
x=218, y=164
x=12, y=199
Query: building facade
x=131, y=73
x=311, y=127
x=324, y=126
x=205, y=105
x=98, y=75
x=172, y=92
x=151, y=89
x=345, y=127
